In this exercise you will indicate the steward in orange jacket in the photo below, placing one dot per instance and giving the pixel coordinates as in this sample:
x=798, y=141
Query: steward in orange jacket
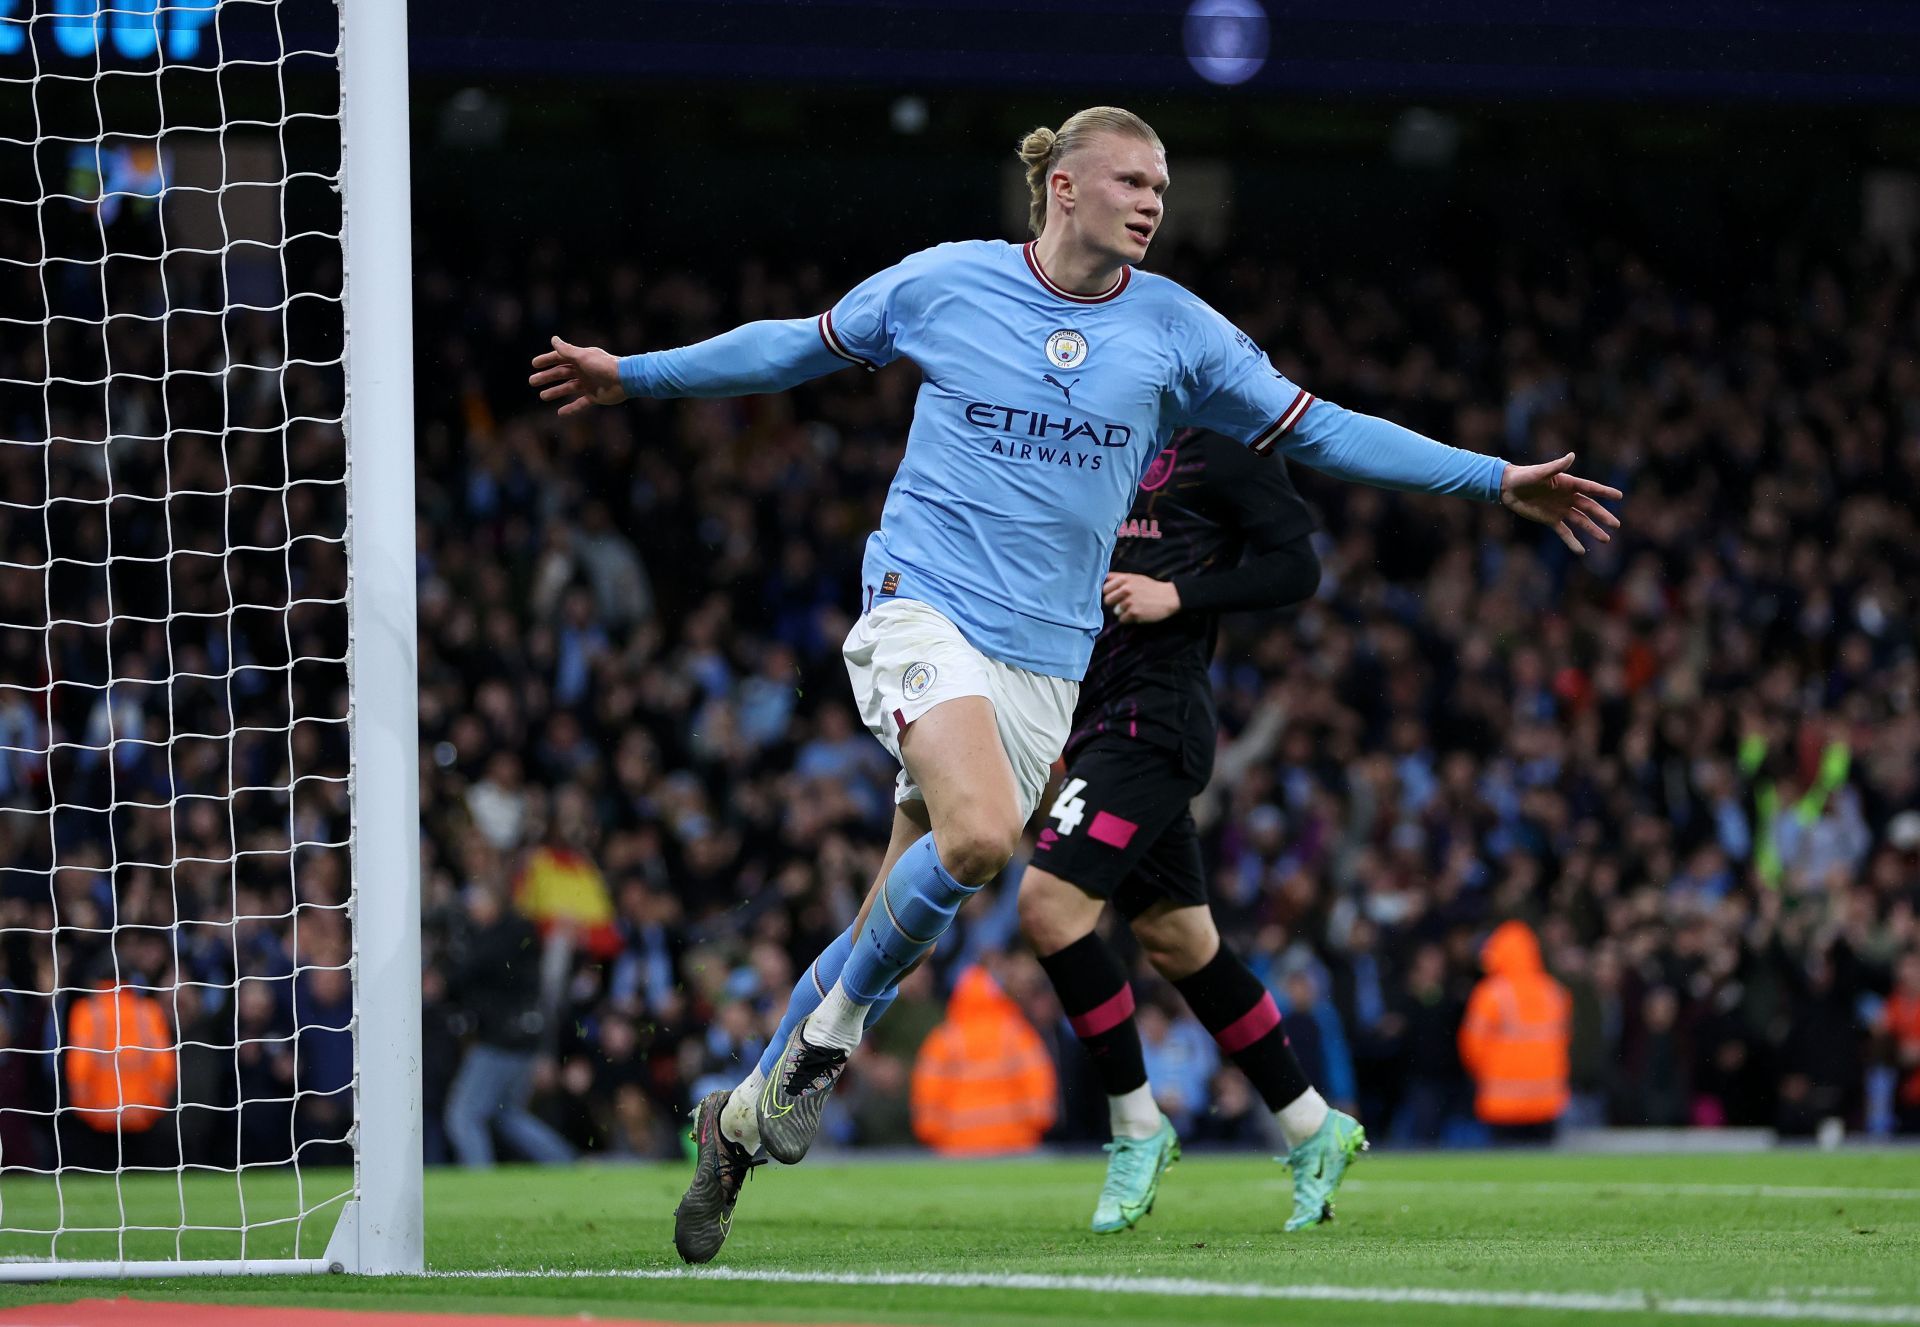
x=122, y=1067
x=982, y=1081
x=1515, y=1036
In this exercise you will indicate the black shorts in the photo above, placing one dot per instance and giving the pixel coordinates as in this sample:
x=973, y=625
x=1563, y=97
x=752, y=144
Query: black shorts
x=1120, y=828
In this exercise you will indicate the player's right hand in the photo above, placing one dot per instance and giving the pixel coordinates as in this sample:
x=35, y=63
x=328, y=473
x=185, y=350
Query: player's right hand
x=1134, y=598
x=588, y=375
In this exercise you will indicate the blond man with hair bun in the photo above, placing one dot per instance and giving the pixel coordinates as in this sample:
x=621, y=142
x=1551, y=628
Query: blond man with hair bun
x=1052, y=374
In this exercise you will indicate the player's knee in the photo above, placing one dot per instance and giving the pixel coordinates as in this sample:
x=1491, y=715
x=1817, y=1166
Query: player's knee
x=976, y=848
x=1035, y=917
x=1047, y=925
x=1178, y=943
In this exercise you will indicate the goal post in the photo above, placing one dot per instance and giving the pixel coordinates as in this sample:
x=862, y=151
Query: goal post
x=210, y=1050
x=385, y=1218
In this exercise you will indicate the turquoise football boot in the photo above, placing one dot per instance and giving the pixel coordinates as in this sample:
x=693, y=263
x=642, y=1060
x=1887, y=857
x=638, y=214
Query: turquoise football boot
x=1318, y=1164
x=1134, y=1168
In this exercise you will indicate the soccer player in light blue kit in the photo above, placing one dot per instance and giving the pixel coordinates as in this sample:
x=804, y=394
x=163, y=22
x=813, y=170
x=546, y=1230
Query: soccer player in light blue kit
x=1053, y=374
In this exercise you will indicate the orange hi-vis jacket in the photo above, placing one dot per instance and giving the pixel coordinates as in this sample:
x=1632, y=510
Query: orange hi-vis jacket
x=1901, y=1019
x=1515, y=1036
x=982, y=1081
x=121, y=1063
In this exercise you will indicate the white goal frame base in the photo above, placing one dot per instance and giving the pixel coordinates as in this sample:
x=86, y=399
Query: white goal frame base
x=343, y=1255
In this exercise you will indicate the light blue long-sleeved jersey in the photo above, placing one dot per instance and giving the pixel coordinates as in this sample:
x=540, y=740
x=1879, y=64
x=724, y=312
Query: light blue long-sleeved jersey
x=1038, y=414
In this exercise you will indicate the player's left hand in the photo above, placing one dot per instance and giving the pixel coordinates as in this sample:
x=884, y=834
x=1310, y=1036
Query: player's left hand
x=1548, y=494
x=1136, y=598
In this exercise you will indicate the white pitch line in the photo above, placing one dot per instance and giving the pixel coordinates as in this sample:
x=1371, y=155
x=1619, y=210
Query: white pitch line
x=1786, y=1310
x=1651, y=1190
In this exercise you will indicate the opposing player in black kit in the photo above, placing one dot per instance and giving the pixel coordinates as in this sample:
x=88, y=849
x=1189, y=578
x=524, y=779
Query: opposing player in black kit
x=1214, y=529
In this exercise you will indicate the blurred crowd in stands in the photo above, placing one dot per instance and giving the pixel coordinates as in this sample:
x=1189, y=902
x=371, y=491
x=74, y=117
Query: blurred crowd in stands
x=1690, y=760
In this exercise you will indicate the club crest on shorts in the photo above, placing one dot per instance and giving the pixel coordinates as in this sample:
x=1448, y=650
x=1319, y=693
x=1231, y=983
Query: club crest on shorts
x=1066, y=349
x=918, y=680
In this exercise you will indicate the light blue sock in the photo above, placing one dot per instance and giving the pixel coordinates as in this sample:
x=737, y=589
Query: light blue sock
x=812, y=988
x=916, y=906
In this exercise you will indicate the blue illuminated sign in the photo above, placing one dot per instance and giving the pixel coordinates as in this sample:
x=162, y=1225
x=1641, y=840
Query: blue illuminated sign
x=129, y=29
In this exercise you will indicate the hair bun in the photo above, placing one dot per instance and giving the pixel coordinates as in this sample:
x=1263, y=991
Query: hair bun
x=1036, y=147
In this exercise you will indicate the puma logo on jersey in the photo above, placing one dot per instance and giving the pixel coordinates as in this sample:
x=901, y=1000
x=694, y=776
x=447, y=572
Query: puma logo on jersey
x=1066, y=388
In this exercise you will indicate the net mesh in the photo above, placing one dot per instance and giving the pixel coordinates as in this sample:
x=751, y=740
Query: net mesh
x=176, y=1015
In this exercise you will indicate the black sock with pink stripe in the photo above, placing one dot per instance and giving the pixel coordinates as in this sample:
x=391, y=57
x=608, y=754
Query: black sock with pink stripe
x=1092, y=986
x=1231, y=1003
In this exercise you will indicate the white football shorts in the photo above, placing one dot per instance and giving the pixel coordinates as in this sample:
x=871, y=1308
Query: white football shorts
x=905, y=657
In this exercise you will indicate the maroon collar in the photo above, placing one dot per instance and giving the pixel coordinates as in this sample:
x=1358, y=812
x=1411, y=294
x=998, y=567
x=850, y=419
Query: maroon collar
x=1033, y=265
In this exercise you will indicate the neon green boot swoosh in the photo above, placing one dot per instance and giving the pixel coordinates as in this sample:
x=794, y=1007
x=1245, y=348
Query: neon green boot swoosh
x=1134, y=1168
x=1318, y=1164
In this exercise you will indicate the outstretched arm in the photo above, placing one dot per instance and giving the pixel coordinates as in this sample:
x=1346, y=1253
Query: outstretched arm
x=757, y=357
x=1376, y=451
x=1231, y=386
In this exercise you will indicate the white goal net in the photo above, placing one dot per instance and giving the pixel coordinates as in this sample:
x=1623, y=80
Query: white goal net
x=186, y=892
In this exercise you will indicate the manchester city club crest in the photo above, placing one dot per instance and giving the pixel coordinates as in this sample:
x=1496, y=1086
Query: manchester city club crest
x=1066, y=349
x=919, y=677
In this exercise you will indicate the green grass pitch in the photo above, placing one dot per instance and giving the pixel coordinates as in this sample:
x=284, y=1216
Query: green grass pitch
x=1801, y=1235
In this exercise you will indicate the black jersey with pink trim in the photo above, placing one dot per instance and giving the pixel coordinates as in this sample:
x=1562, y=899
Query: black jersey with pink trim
x=1206, y=503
